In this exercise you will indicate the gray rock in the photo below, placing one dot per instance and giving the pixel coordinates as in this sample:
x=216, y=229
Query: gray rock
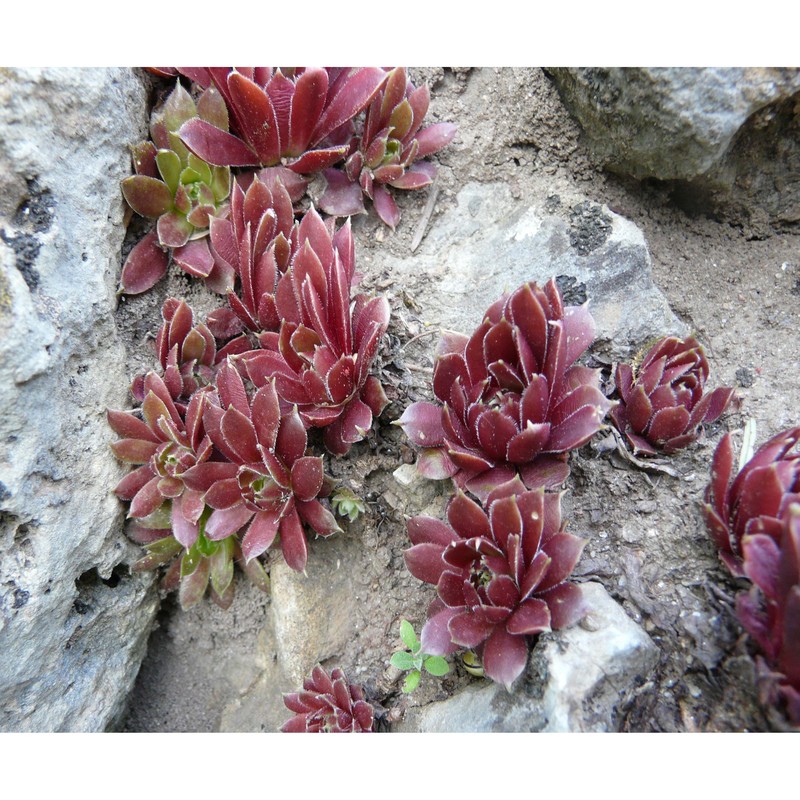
x=593, y=668
x=475, y=252
x=578, y=679
x=73, y=621
x=731, y=135
x=314, y=612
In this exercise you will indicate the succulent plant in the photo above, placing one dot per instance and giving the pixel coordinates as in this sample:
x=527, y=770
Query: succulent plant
x=267, y=481
x=321, y=357
x=346, y=504
x=513, y=397
x=328, y=704
x=167, y=516
x=255, y=242
x=756, y=500
x=501, y=575
x=770, y=612
x=187, y=352
x=388, y=151
x=180, y=190
x=296, y=118
x=164, y=444
x=194, y=569
x=663, y=402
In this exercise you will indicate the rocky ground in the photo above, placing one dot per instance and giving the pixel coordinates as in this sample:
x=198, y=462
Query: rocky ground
x=736, y=288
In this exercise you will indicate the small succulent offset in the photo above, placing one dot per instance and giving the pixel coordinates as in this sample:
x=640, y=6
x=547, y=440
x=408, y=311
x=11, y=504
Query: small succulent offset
x=346, y=504
x=387, y=151
x=328, y=704
x=501, y=575
x=663, y=402
x=178, y=189
x=187, y=352
x=756, y=500
x=413, y=660
x=513, y=399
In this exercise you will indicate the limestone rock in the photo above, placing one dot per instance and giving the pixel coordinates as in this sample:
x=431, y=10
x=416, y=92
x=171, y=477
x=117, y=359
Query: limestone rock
x=73, y=621
x=729, y=135
x=593, y=668
x=475, y=251
x=578, y=679
x=313, y=613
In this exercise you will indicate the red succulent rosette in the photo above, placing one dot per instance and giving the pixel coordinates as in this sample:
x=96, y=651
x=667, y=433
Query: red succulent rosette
x=387, y=152
x=255, y=242
x=501, y=575
x=770, y=612
x=266, y=482
x=166, y=444
x=187, y=352
x=756, y=500
x=663, y=401
x=328, y=704
x=321, y=357
x=513, y=397
x=289, y=117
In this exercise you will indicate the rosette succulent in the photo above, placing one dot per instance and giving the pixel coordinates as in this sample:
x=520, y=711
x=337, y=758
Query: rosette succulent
x=178, y=189
x=501, y=575
x=328, y=704
x=663, y=402
x=770, y=612
x=387, y=152
x=266, y=482
x=255, y=242
x=187, y=352
x=167, y=516
x=754, y=502
x=321, y=357
x=297, y=118
x=512, y=397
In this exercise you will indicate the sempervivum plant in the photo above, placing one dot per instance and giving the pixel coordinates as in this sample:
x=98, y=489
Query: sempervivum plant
x=770, y=612
x=512, y=396
x=387, y=152
x=294, y=117
x=756, y=500
x=167, y=516
x=328, y=704
x=178, y=189
x=663, y=402
x=187, y=352
x=321, y=357
x=266, y=482
x=501, y=575
x=254, y=242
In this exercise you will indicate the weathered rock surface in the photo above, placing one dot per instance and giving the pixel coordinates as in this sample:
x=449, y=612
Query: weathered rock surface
x=730, y=135
x=313, y=613
x=477, y=250
x=73, y=621
x=578, y=679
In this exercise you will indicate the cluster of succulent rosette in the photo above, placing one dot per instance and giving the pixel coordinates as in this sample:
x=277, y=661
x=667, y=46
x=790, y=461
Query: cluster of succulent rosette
x=222, y=469
x=220, y=450
x=360, y=129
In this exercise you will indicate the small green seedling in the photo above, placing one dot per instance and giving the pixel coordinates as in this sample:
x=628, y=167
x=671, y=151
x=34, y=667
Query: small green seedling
x=414, y=660
x=346, y=504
